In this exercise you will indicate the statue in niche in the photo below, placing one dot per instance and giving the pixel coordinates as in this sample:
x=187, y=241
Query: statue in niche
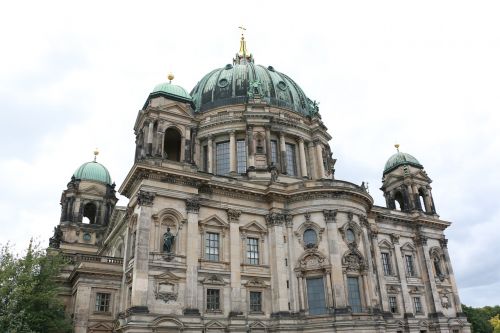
x=168, y=241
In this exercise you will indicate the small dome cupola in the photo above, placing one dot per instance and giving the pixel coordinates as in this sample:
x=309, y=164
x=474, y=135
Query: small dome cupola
x=406, y=185
x=93, y=171
x=170, y=91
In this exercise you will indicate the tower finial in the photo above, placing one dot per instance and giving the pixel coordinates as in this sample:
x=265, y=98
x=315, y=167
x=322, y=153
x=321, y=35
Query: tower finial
x=170, y=77
x=397, y=147
x=96, y=152
x=243, y=55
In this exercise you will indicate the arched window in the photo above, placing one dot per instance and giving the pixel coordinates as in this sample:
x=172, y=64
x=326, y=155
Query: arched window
x=89, y=213
x=421, y=197
x=398, y=198
x=310, y=238
x=172, y=144
x=155, y=140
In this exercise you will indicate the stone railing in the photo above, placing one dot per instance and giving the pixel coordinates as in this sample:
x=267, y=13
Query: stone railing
x=76, y=258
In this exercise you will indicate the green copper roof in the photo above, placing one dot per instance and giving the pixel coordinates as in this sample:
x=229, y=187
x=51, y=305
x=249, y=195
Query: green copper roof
x=172, y=90
x=401, y=159
x=93, y=171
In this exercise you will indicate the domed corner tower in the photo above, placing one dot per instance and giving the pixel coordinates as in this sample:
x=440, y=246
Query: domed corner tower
x=406, y=185
x=165, y=125
x=86, y=208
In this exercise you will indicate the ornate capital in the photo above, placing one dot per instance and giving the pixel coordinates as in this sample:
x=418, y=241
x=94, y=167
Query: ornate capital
x=330, y=215
x=145, y=198
x=420, y=239
x=274, y=219
x=233, y=215
x=395, y=238
x=193, y=205
x=307, y=215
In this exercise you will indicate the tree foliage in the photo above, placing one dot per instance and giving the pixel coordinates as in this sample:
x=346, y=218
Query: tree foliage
x=495, y=322
x=28, y=292
x=480, y=318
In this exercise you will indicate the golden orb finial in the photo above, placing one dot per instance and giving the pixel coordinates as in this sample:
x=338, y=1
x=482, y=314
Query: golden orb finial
x=397, y=147
x=170, y=77
x=96, y=152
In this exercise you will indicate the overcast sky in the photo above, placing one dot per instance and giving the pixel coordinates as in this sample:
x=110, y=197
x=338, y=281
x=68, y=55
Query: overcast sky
x=424, y=74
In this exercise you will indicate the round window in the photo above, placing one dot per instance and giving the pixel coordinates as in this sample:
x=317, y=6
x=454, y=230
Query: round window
x=349, y=235
x=310, y=238
x=86, y=237
x=282, y=85
x=223, y=83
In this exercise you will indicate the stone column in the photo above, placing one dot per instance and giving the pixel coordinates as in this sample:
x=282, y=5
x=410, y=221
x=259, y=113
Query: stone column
x=210, y=155
x=187, y=146
x=312, y=161
x=294, y=304
x=319, y=158
x=330, y=300
x=427, y=273
x=232, y=153
x=140, y=281
x=332, y=236
x=197, y=154
x=380, y=273
x=82, y=310
x=370, y=276
x=250, y=145
x=407, y=302
x=268, y=145
x=444, y=245
x=233, y=217
x=150, y=139
x=279, y=292
x=283, y=153
x=191, y=302
x=302, y=156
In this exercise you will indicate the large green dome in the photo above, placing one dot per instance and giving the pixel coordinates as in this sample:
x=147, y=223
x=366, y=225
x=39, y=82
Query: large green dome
x=401, y=159
x=93, y=171
x=234, y=84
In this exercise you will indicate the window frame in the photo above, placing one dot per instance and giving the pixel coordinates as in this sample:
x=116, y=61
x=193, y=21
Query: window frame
x=385, y=257
x=207, y=243
x=219, y=296
x=410, y=270
x=291, y=159
x=349, y=298
x=256, y=311
x=417, y=305
x=325, y=297
x=248, y=259
x=219, y=162
x=95, y=298
x=393, y=306
x=241, y=156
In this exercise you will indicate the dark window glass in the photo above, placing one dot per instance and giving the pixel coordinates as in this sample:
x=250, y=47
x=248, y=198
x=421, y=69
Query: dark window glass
x=253, y=251
x=274, y=152
x=354, y=295
x=241, y=152
x=386, y=263
x=102, y=302
x=316, y=296
x=350, y=236
x=132, y=248
x=205, y=158
x=222, y=152
x=291, y=166
x=418, y=304
x=255, y=301
x=212, y=246
x=310, y=238
x=410, y=268
x=213, y=299
x=393, y=305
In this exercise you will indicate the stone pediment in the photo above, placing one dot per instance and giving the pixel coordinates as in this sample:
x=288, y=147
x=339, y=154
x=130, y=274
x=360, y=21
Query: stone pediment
x=214, y=279
x=215, y=325
x=258, y=326
x=101, y=328
x=167, y=276
x=214, y=221
x=168, y=322
x=253, y=226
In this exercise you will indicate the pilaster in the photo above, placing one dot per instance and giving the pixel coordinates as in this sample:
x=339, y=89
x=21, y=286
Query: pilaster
x=233, y=217
x=191, y=302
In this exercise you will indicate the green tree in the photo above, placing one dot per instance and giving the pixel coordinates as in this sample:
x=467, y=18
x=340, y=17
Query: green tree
x=480, y=318
x=28, y=292
x=495, y=322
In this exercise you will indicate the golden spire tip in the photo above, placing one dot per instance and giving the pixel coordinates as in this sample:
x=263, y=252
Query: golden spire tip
x=170, y=77
x=397, y=147
x=96, y=152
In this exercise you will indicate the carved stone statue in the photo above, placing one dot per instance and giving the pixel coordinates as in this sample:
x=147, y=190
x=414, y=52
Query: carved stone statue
x=274, y=172
x=168, y=241
x=55, y=241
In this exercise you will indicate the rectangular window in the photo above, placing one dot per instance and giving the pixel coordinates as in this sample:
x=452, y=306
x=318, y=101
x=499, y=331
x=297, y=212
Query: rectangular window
x=354, y=295
x=213, y=299
x=212, y=246
x=291, y=166
x=222, y=153
x=410, y=268
x=132, y=241
x=417, y=304
x=274, y=152
x=253, y=251
x=102, y=302
x=386, y=263
x=316, y=296
x=205, y=158
x=255, y=301
x=241, y=153
x=393, y=304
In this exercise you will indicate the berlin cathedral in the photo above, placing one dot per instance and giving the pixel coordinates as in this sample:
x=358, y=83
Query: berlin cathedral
x=236, y=223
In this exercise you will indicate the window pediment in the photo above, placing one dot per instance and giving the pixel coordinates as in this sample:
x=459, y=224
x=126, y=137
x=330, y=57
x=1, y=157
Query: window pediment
x=214, y=221
x=253, y=227
x=353, y=261
x=312, y=260
x=214, y=280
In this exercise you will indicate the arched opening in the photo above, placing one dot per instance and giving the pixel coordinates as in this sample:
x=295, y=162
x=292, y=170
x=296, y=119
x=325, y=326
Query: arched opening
x=421, y=197
x=155, y=140
x=310, y=238
x=398, y=200
x=89, y=213
x=349, y=235
x=172, y=144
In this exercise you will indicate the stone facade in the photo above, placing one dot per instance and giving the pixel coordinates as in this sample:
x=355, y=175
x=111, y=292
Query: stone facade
x=275, y=243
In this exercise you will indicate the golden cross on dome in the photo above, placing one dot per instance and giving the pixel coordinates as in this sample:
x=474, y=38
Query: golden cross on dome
x=242, y=28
